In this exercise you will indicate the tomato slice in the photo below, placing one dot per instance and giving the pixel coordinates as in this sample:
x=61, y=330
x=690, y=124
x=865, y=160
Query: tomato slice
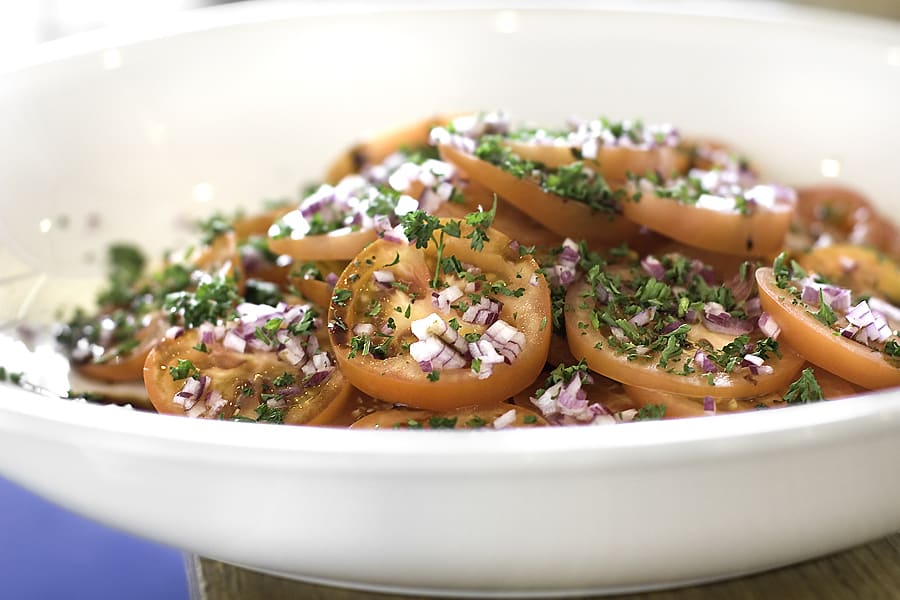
x=338, y=245
x=374, y=149
x=565, y=217
x=864, y=270
x=843, y=215
x=258, y=224
x=371, y=322
x=252, y=385
x=653, y=344
x=510, y=220
x=678, y=406
x=467, y=417
x=717, y=224
x=119, y=362
x=614, y=163
x=822, y=345
x=608, y=393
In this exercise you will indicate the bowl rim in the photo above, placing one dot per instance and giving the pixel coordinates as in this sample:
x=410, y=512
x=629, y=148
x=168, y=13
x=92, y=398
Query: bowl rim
x=868, y=413
x=262, y=11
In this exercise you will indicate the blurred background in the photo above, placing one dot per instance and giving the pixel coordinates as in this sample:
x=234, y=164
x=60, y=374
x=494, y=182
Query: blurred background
x=46, y=552
x=23, y=23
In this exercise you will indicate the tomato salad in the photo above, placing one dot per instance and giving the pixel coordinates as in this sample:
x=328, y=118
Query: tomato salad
x=463, y=273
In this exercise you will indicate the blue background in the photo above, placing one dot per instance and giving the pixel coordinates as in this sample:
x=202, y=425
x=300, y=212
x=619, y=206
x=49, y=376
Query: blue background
x=47, y=552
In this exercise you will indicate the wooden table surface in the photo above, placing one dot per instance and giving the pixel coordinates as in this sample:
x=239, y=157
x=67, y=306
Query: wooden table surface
x=869, y=572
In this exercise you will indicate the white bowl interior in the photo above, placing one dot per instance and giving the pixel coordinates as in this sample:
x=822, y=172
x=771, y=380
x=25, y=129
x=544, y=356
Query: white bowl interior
x=131, y=141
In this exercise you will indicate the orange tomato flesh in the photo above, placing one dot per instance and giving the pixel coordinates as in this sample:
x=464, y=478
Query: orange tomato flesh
x=399, y=378
x=761, y=232
x=614, y=163
x=609, y=363
x=130, y=366
x=821, y=345
x=678, y=406
x=379, y=146
x=231, y=372
x=467, y=417
x=565, y=217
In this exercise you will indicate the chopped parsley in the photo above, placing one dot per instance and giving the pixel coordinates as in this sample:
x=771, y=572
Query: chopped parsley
x=183, y=370
x=651, y=412
x=805, y=389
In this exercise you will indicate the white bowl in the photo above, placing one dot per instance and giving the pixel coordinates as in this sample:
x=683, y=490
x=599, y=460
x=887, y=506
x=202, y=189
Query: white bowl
x=121, y=135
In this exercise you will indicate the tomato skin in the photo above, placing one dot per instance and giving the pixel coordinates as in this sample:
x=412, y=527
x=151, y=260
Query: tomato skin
x=845, y=215
x=679, y=406
x=258, y=225
x=760, y=233
x=614, y=163
x=129, y=367
x=510, y=220
x=860, y=268
x=399, y=378
x=567, y=218
x=399, y=418
x=855, y=362
x=616, y=366
x=379, y=146
x=230, y=372
x=330, y=246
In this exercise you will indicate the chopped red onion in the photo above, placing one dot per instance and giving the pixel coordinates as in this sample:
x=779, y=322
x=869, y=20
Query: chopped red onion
x=861, y=315
x=432, y=353
x=887, y=310
x=672, y=326
x=234, y=342
x=643, y=317
x=384, y=277
x=715, y=318
x=443, y=299
x=191, y=392
x=174, y=332
x=709, y=405
x=653, y=267
x=703, y=362
x=750, y=359
x=505, y=420
x=207, y=333
x=753, y=307
x=363, y=329
x=768, y=326
x=484, y=312
x=215, y=403
x=508, y=340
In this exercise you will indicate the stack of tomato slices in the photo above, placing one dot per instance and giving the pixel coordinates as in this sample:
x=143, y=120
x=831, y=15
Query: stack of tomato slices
x=460, y=273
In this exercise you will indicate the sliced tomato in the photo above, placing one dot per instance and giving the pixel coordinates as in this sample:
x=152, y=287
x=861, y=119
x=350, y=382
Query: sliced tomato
x=822, y=345
x=374, y=149
x=678, y=406
x=258, y=224
x=118, y=364
x=338, y=245
x=761, y=232
x=608, y=393
x=592, y=339
x=467, y=417
x=615, y=163
x=862, y=269
x=510, y=220
x=248, y=383
x=843, y=215
x=370, y=322
x=707, y=154
x=565, y=217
